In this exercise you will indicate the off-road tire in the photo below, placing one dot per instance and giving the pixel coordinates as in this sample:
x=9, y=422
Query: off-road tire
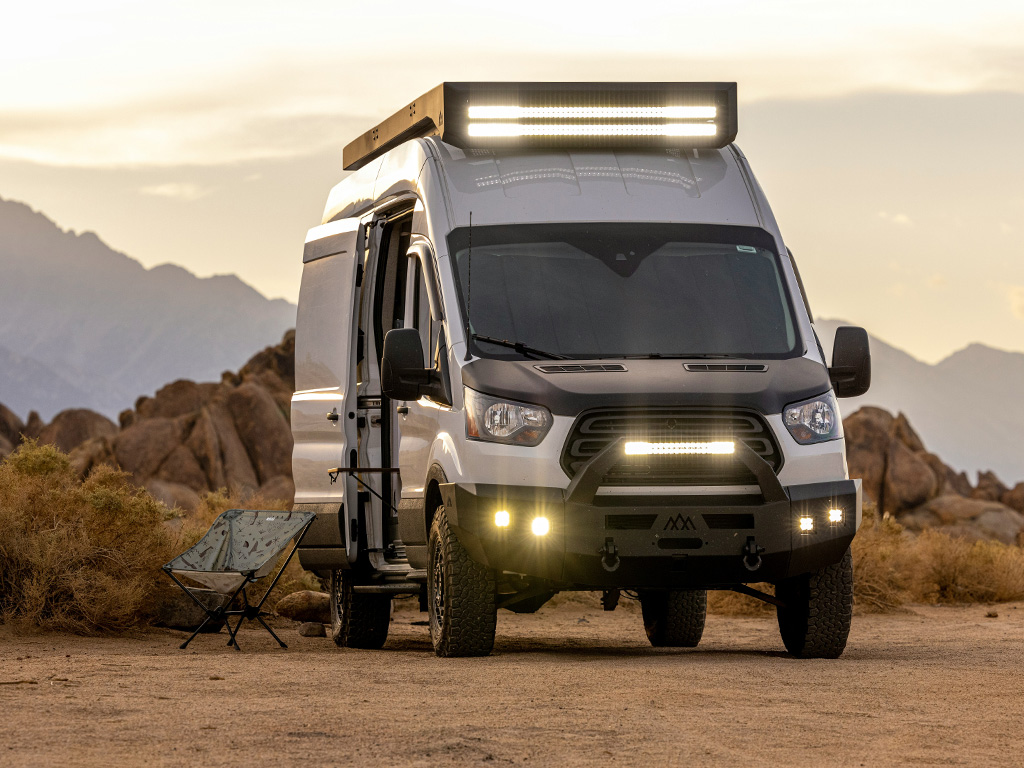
x=674, y=619
x=819, y=610
x=357, y=621
x=460, y=595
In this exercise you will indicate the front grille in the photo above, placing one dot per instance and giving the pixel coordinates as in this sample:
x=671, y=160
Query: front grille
x=594, y=430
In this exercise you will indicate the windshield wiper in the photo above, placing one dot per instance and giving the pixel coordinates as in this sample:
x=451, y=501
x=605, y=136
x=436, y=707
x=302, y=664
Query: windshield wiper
x=518, y=346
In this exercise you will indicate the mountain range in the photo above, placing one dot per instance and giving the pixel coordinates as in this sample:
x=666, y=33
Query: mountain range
x=82, y=325
x=968, y=408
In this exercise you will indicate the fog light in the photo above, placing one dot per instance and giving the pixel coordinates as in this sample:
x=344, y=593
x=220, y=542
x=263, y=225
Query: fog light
x=502, y=519
x=835, y=515
x=806, y=523
x=540, y=526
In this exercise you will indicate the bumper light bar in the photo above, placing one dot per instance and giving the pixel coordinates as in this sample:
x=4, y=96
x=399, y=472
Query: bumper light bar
x=689, y=449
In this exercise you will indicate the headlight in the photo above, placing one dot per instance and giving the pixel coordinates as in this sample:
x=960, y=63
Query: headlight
x=814, y=421
x=503, y=421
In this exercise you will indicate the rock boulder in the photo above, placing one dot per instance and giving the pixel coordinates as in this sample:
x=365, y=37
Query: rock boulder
x=973, y=518
x=263, y=430
x=306, y=606
x=11, y=426
x=142, y=448
x=75, y=426
x=1014, y=499
x=989, y=488
x=909, y=481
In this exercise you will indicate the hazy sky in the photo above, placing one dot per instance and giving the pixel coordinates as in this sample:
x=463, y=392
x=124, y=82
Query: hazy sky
x=886, y=134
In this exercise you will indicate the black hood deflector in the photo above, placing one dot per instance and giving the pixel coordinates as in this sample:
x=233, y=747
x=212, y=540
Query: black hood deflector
x=650, y=383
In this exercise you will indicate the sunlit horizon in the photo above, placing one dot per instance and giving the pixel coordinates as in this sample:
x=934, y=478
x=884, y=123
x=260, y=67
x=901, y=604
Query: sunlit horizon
x=208, y=135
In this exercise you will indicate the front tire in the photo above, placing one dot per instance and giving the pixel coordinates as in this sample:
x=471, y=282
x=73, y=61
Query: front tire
x=357, y=621
x=460, y=596
x=674, y=619
x=815, y=623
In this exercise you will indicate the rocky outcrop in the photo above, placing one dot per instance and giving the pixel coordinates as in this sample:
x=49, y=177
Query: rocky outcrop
x=1015, y=499
x=889, y=457
x=188, y=438
x=11, y=428
x=973, y=518
x=919, y=490
x=73, y=427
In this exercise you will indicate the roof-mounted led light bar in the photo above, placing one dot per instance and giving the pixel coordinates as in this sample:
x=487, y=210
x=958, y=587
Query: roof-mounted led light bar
x=577, y=116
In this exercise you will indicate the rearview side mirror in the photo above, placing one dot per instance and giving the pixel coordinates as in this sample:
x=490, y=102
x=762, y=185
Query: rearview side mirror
x=402, y=375
x=851, y=362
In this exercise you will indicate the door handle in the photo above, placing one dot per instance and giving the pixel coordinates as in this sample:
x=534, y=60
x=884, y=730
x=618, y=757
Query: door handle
x=402, y=409
x=332, y=416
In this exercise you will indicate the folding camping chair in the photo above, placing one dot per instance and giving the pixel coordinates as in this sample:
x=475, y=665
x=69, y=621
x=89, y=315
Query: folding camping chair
x=240, y=548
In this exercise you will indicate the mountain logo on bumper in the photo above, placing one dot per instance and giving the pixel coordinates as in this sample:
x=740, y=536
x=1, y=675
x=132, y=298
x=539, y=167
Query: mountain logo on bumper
x=680, y=523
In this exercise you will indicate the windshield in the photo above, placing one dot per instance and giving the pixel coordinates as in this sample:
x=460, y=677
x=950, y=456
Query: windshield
x=621, y=290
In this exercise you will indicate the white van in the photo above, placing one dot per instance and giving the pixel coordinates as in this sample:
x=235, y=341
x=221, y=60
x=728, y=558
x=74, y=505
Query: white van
x=550, y=338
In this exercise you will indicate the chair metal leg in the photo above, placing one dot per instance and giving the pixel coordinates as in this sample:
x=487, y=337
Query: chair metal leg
x=266, y=627
x=232, y=641
x=199, y=629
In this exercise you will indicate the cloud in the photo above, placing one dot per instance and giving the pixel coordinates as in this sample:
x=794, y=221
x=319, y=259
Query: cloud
x=899, y=219
x=179, y=191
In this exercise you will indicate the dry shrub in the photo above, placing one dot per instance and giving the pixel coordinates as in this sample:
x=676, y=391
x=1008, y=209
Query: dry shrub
x=881, y=554
x=956, y=570
x=78, y=556
x=212, y=505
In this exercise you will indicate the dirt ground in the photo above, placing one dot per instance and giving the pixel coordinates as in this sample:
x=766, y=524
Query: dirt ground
x=568, y=686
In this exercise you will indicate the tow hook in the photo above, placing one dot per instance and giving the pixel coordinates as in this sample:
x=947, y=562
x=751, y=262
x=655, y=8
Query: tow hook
x=609, y=555
x=609, y=599
x=752, y=554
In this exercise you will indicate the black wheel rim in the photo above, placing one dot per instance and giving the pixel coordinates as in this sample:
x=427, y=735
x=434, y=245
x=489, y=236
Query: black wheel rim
x=437, y=589
x=337, y=599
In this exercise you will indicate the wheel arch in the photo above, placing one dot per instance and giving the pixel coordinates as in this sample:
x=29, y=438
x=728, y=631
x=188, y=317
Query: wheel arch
x=432, y=498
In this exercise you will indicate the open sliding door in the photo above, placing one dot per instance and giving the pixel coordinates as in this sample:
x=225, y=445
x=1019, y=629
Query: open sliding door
x=324, y=404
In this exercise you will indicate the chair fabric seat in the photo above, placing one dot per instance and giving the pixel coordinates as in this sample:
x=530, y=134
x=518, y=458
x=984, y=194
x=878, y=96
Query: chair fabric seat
x=241, y=547
x=224, y=583
x=240, y=541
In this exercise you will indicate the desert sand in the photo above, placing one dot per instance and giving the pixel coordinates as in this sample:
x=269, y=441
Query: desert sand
x=570, y=685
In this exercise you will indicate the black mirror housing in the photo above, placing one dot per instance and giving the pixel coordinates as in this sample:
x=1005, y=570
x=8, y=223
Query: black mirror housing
x=851, y=362
x=402, y=375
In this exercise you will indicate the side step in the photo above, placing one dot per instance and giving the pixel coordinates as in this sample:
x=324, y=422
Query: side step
x=411, y=585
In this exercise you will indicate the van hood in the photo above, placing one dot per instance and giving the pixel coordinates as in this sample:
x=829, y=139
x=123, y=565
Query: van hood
x=649, y=383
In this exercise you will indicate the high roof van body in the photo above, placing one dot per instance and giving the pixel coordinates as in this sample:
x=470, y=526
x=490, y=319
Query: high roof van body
x=548, y=344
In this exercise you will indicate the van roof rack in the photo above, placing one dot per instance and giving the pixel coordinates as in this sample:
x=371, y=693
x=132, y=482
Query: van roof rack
x=506, y=115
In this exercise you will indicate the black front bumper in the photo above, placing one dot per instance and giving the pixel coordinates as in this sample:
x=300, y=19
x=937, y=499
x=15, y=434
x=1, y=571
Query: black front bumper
x=636, y=542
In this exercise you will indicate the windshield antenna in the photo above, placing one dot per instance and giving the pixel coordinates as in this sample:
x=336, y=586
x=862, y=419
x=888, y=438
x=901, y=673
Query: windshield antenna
x=469, y=288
